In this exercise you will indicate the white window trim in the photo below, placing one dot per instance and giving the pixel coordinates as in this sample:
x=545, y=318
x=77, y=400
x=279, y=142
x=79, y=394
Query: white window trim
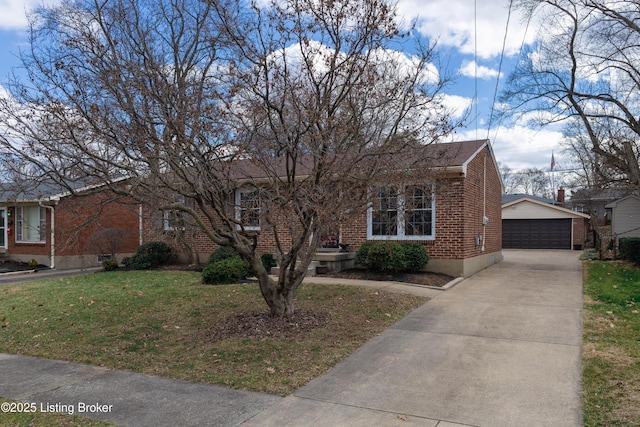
x=166, y=216
x=167, y=220
x=401, y=219
x=238, y=210
x=20, y=224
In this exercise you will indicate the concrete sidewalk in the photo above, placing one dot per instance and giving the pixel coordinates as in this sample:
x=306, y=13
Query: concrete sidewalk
x=501, y=348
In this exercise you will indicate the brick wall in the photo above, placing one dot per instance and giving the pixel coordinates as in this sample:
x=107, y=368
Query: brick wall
x=80, y=224
x=88, y=224
x=461, y=203
x=460, y=208
x=579, y=232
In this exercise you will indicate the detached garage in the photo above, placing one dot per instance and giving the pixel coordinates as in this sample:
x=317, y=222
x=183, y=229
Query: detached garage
x=533, y=224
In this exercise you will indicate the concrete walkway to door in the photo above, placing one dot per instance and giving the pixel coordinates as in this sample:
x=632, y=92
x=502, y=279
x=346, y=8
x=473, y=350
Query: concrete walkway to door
x=502, y=348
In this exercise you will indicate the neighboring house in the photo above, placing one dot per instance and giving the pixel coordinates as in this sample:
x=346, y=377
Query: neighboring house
x=530, y=222
x=46, y=223
x=456, y=216
x=593, y=202
x=625, y=217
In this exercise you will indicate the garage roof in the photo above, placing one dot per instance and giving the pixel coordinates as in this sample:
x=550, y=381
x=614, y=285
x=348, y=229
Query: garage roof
x=529, y=208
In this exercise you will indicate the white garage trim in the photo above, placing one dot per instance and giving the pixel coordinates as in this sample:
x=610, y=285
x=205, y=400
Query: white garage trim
x=526, y=208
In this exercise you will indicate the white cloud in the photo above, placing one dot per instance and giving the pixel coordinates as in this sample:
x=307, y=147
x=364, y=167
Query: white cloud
x=520, y=147
x=13, y=13
x=457, y=105
x=455, y=23
x=470, y=69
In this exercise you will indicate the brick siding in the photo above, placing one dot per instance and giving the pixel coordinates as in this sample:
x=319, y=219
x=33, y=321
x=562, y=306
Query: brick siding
x=78, y=222
x=460, y=203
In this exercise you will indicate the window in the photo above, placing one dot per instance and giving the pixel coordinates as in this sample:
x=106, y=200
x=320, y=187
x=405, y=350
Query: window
x=402, y=213
x=31, y=224
x=384, y=218
x=173, y=219
x=248, y=209
x=418, y=211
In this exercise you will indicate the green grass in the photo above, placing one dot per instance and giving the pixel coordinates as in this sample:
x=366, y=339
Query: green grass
x=163, y=323
x=611, y=344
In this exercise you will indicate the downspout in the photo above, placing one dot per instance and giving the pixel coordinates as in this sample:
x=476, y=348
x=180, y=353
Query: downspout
x=484, y=201
x=53, y=233
x=140, y=226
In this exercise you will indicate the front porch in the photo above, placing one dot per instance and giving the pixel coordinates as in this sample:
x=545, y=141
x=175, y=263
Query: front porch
x=327, y=262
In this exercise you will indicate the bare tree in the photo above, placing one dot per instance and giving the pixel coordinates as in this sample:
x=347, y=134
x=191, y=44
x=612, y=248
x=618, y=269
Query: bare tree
x=258, y=116
x=509, y=178
x=531, y=181
x=534, y=181
x=584, y=69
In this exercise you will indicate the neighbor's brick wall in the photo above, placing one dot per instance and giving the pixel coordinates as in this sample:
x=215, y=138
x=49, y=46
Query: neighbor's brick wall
x=80, y=221
x=77, y=220
x=579, y=231
x=26, y=250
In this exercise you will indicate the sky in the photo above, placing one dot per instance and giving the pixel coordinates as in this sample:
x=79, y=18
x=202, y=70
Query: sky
x=475, y=44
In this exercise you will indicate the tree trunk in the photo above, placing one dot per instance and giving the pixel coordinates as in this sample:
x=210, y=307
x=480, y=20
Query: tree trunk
x=281, y=304
x=277, y=294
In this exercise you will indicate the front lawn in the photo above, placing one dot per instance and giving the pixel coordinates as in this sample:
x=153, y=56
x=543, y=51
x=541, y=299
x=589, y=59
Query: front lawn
x=611, y=344
x=167, y=323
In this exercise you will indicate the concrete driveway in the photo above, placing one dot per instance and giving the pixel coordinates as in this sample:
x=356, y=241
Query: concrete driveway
x=502, y=348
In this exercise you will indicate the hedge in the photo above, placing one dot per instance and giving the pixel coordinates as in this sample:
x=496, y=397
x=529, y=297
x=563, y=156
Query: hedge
x=392, y=257
x=151, y=255
x=629, y=249
x=228, y=270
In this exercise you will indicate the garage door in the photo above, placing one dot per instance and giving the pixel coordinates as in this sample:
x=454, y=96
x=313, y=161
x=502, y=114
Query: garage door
x=536, y=233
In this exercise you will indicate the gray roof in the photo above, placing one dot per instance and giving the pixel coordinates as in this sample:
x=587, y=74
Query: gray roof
x=46, y=189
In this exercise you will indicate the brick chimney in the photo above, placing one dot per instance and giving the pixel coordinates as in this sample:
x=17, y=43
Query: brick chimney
x=561, y=196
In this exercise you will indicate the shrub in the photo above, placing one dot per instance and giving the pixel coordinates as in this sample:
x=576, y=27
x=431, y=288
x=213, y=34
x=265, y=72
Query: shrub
x=392, y=257
x=222, y=253
x=268, y=261
x=151, y=255
x=629, y=248
x=110, y=264
x=415, y=255
x=228, y=270
x=32, y=263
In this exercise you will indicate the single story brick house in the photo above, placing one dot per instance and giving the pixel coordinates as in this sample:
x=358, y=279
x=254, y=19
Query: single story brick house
x=45, y=222
x=458, y=218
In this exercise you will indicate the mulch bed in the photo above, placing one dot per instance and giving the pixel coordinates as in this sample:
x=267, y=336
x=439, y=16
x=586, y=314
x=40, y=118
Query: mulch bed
x=420, y=278
x=261, y=325
x=12, y=266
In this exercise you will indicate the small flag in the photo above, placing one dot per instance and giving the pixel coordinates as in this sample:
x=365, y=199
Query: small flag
x=553, y=161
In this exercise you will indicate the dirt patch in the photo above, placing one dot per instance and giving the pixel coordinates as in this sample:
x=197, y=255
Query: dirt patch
x=261, y=325
x=421, y=278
